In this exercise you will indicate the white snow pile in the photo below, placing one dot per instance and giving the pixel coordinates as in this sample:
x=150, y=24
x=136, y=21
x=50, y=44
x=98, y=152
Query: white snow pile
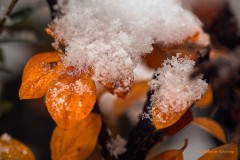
x=111, y=35
x=6, y=137
x=173, y=89
x=116, y=146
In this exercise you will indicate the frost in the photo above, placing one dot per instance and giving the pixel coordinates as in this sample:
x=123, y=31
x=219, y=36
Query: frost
x=25, y=152
x=60, y=99
x=116, y=146
x=3, y=149
x=111, y=36
x=173, y=90
x=6, y=137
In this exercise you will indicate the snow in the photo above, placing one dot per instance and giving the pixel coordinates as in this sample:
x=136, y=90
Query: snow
x=173, y=90
x=3, y=149
x=116, y=146
x=111, y=36
x=6, y=137
x=59, y=96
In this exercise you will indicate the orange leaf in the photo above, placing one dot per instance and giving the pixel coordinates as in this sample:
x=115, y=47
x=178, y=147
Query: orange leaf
x=172, y=154
x=180, y=124
x=224, y=152
x=206, y=100
x=137, y=93
x=118, y=88
x=155, y=58
x=38, y=74
x=71, y=98
x=77, y=143
x=12, y=149
x=212, y=127
x=162, y=120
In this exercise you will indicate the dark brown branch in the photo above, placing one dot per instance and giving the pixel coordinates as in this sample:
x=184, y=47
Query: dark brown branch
x=7, y=14
x=143, y=137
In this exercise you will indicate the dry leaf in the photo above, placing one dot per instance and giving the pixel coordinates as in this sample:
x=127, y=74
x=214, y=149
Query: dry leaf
x=180, y=124
x=225, y=152
x=172, y=154
x=166, y=119
x=137, y=93
x=118, y=88
x=206, y=100
x=71, y=98
x=38, y=74
x=211, y=126
x=77, y=143
x=50, y=31
x=12, y=149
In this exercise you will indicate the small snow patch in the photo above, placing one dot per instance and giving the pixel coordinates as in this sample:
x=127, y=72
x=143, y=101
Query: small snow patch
x=6, y=137
x=116, y=146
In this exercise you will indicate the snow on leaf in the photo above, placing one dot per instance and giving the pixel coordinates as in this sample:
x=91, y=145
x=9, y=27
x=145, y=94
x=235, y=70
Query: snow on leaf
x=38, y=74
x=173, y=91
x=111, y=36
x=77, y=143
x=11, y=148
x=71, y=98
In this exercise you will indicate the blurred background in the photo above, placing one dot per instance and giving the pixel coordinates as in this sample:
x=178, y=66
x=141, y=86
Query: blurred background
x=24, y=36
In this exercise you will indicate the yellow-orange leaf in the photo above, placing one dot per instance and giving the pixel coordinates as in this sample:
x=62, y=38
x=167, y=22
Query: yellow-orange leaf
x=118, y=88
x=12, y=149
x=38, y=74
x=138, y=93
x=77, y=143
x=206, y=100
x=166, y=119
x=71, y=98
x=172, y=154
x=224, y=152
x=211, y=126
x=155, y=58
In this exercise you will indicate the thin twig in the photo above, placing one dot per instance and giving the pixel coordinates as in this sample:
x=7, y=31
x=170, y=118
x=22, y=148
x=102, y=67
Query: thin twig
x=7, y=14
x=214, y=111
